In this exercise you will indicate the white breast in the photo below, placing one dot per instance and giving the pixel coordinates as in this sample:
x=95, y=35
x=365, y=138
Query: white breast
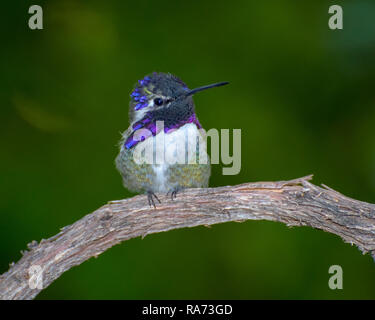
x=180, y=147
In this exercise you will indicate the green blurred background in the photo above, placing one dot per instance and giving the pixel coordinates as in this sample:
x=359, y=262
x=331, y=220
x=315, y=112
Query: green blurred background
x=302, y=94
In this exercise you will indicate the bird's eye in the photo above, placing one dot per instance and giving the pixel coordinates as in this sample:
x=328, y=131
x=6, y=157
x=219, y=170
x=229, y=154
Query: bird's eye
x=158, y=101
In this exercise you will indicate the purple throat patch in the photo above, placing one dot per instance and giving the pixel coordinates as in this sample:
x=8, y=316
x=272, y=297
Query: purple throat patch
x=146, y=128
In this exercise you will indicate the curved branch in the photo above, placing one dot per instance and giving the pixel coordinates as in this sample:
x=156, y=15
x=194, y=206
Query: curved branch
x=295, y=203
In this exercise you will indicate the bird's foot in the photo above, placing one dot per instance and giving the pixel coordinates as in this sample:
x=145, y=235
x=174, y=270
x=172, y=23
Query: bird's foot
x=150, y=198
x=173, y=192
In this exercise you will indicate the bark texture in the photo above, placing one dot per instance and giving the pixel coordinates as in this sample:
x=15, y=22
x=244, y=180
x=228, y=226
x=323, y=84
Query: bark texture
x=295, y=203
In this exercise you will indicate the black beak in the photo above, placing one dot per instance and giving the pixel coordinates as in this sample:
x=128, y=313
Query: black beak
x=219, y=84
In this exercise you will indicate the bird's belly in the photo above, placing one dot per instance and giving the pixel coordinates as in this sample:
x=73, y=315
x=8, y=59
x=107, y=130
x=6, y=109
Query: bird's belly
x=179, y=166
x=179, y=160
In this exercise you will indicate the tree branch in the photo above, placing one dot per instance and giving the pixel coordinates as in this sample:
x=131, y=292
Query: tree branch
x=295, y=203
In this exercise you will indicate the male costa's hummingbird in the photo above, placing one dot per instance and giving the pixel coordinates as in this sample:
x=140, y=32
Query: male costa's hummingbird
x=163, y=98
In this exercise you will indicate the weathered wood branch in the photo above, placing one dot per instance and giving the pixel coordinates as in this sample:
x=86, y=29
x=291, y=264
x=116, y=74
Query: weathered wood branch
x=295, y=203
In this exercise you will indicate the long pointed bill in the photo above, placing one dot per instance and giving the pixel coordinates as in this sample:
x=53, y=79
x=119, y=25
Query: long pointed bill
x=191, y=92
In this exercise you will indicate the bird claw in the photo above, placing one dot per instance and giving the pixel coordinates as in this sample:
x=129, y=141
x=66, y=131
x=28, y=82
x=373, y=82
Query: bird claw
x=173, y=193
x=150, y=198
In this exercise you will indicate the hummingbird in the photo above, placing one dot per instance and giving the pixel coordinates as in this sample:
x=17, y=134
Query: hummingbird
x=164, y=98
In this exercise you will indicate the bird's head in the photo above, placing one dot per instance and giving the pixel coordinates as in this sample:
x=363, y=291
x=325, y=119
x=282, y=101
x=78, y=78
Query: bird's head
x=163, y=93
x=162, y=97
